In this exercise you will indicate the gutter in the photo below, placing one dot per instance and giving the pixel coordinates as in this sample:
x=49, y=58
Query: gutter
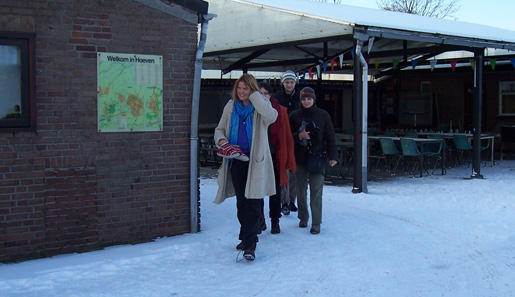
x=194, y=197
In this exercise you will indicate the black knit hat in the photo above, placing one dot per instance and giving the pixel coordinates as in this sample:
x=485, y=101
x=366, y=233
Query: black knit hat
x=307, y=92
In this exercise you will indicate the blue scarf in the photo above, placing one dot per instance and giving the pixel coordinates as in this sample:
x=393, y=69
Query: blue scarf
x=246, y=113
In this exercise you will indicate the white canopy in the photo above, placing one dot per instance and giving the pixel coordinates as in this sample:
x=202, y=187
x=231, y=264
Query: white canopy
x=274, y=34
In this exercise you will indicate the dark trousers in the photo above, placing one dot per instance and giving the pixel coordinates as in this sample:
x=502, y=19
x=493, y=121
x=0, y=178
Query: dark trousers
x=248, y=210
x=274, y=203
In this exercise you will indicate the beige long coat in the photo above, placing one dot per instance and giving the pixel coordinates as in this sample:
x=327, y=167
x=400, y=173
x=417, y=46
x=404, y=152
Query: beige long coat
x=260, y=180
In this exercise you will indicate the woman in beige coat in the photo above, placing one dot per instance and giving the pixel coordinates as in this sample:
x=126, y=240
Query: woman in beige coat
x=243, y=131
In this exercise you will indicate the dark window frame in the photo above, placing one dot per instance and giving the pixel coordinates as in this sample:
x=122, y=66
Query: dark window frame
x=26, y=43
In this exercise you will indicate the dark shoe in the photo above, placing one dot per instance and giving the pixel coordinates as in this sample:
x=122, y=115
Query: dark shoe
x=285, y=210
x=315, y=229
x=240, y=246
x=275, y=227
x=262, y=225
x=250, y=252
x=303, y=224
x=293, y=207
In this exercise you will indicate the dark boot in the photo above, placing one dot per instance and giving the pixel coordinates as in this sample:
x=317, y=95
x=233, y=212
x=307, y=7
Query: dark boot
x=275, y=226
x=250, y=252
x=293, y=207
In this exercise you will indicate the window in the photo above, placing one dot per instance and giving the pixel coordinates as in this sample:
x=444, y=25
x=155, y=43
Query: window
x=17, y=101
x=507, y=98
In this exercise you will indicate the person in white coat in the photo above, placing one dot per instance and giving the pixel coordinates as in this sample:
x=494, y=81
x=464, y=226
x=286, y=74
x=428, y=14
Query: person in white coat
x=243, y=131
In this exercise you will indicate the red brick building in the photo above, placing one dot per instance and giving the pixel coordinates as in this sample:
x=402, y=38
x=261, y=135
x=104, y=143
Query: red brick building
x=65, y=186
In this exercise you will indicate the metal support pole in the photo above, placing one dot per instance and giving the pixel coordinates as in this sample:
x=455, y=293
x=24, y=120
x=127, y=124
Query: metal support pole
x=478, y=98
x=360, y=111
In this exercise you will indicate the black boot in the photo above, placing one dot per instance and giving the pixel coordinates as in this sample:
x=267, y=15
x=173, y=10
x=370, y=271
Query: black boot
x=250, y=252
x=275, y=226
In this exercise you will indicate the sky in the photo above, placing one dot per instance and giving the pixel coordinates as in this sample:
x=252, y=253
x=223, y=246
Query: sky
x=433, y=236
x=496, y=13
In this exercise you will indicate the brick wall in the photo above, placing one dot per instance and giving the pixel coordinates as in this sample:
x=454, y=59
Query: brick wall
x=67, y=187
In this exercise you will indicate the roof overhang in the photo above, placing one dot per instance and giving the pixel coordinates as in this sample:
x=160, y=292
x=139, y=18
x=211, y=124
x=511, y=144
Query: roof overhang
x=271, y=35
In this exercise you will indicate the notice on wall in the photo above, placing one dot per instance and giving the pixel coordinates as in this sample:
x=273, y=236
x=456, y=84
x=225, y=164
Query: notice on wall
x=129, y=92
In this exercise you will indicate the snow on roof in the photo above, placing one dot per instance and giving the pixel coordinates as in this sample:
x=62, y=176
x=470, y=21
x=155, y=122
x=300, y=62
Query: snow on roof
x=389, y=19
x=250, y=23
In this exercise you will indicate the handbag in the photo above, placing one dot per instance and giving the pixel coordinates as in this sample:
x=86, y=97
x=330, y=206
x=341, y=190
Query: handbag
x=315, y=162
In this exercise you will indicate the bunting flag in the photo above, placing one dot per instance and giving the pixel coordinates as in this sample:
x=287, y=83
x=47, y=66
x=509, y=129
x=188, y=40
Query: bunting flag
x=332, y=64
x=453, y=64
x=370, y=44
x=377, y=61
x=318, y=71
x=352, y=53
x=367, y=60
x=352, y=63
x=512, y=60
x=472, y=64
x=310, y=73
x=303, y=76
x=395, y=63
x=492, y=63
x=341, y=61
x=414, y=64
x=325, y=66
x=433, y=64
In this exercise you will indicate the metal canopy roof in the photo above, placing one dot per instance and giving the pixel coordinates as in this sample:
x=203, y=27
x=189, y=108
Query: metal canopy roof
x=272, y=35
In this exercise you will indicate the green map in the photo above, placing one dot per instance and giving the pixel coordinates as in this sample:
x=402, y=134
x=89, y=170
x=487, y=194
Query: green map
x=130, y=92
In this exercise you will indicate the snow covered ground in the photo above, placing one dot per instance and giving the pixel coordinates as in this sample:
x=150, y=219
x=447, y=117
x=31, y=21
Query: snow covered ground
x=431, y=236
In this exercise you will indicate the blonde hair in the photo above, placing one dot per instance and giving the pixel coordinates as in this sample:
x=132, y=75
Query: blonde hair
x=249, y=80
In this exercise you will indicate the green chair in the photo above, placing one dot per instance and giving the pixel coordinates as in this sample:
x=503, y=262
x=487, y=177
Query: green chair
x=410, y=150
x=390, y=151
x=433, y=151
x=485, y=146
x=463, y=146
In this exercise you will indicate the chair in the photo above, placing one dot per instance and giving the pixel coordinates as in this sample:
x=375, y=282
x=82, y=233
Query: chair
x=389, y=150
x=433, y=150
x=410, y=150
x=485, y=145
x=462, y=145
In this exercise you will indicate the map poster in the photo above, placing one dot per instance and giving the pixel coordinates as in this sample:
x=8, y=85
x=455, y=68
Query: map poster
x=130, y=92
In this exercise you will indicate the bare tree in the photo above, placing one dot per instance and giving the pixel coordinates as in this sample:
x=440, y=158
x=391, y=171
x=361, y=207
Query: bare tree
x=431, y=8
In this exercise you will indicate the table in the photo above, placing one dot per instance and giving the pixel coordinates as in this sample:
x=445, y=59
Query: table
x=422, y=142
x=469, y=136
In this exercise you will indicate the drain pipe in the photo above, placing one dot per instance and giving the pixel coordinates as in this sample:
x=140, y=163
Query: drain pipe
x=194, y=198
x=360, y=184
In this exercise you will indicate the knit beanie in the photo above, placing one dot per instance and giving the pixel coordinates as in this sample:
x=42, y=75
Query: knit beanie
x=288, y=74
x=307, y=92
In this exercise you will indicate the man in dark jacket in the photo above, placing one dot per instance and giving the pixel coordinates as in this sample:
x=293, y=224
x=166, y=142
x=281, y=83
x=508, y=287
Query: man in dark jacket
x=288, y=97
